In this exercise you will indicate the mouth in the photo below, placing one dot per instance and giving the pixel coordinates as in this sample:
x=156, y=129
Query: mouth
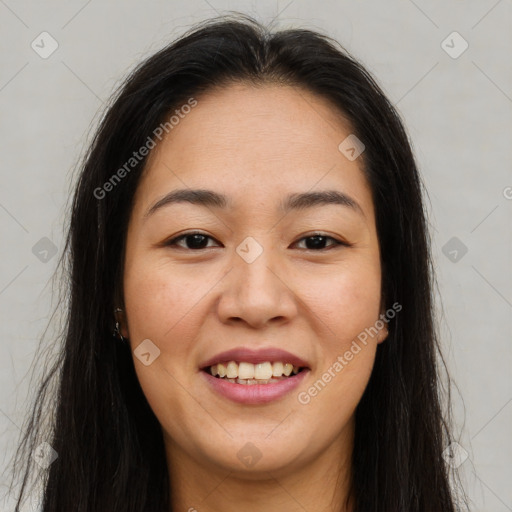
x=249, y=374
x=254, y=377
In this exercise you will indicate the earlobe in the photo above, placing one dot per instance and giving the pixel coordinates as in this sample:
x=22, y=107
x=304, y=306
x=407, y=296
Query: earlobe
x=383, y=334
x=120, y=318
x=119, y=313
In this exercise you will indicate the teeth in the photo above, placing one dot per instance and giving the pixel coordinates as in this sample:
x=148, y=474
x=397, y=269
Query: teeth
x=231, y=370
x=263, y=371
x=248, y=373
x=277, y=369
x=287, y=369
x=250, y=382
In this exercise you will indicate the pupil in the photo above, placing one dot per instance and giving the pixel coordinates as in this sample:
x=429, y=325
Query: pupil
x=196, y=244
x=318, y=242
x=312, y=242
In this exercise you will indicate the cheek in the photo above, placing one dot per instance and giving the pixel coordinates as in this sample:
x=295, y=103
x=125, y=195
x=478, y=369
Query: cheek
x=347, y=306
x=330, y=400
x=160, y=306
x=347, y=301
x=160, y=300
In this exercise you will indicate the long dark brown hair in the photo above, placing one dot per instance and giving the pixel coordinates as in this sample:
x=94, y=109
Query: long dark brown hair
x=95, y=416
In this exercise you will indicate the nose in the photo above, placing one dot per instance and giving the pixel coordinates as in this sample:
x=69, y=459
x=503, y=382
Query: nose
x=257, y=293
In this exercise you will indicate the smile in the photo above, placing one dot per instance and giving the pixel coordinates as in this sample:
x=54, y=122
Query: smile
x=253, y=374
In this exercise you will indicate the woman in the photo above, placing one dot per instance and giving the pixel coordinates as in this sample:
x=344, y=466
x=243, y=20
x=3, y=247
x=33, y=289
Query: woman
x=249, y=225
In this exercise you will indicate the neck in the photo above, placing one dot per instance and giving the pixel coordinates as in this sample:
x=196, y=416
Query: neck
x=322, y=484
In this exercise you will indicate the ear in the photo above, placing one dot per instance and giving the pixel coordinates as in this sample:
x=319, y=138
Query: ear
x=120, y=316
x=384, y=332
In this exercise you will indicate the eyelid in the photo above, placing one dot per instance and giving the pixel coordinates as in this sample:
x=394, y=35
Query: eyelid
x=173, y=241
x=337, y=242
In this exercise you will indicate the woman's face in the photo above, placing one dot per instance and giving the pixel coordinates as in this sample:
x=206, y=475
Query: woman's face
x=254, y=282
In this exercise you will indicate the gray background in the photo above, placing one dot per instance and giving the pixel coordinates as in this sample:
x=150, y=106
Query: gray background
x=458, y=114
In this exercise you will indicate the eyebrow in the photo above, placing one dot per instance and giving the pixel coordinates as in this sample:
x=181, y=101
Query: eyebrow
x=297, y=201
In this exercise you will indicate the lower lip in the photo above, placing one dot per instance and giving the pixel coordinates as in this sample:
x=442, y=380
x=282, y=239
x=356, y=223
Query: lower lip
x=254, y=393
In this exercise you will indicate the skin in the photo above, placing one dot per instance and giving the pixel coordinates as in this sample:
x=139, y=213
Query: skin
x=256, y=145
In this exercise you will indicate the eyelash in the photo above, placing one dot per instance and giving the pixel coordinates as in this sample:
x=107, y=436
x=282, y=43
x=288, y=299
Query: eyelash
x=173, y=241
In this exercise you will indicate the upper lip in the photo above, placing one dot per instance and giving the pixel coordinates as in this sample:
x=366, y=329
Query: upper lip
x=255, y=356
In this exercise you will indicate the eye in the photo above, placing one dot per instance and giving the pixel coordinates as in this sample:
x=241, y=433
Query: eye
x=318, y=240
x=198, y=241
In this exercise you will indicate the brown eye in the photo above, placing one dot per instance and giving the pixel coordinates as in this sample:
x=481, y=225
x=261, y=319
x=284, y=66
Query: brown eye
x=198, y=241
x=318, y=242
x=194, y=240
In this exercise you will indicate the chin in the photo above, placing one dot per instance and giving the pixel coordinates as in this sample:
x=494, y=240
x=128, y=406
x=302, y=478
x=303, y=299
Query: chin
x=253, y=457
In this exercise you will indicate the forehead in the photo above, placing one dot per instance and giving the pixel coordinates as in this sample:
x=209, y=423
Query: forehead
x=261, y=142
